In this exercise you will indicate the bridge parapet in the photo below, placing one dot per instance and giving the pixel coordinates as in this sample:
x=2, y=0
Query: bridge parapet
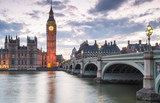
x=130, y=56
x=156, y=54
x=90, y=59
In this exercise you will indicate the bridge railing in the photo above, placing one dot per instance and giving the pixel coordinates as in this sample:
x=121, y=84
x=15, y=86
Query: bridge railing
x=129, y=55
x=156, y=54
x=124, y=56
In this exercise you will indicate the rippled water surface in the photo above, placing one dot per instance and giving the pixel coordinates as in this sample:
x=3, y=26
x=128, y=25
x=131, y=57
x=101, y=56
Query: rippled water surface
x=61, y=87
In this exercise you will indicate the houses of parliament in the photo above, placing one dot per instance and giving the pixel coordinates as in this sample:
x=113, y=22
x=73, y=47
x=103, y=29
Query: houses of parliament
x=16, y=57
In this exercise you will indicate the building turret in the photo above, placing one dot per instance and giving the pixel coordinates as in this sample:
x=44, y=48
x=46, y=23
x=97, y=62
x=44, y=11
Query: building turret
x=95, y=44
x=86, y=41
x=105, y=43
x=9, y=37
x=35, y=39
x=114, y=42
x=6, y=42
x=6, y=39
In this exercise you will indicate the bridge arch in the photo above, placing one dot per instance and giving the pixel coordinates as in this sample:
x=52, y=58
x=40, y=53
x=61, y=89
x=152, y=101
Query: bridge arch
x=157, y=84
x=90, y=69
x=66, y=67
x=78, y=66
x=70, y=67
x=89, y=64
x=131, y=64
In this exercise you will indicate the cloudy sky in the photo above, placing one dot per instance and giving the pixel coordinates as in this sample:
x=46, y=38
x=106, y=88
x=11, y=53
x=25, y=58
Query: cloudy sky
x=80, y=20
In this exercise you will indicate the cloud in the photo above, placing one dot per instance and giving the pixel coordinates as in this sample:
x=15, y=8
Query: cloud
x=34, y=14
x=106, y=5
x=71, y=7
x=155, y=24
x=10, y=27
x=105, y=28
x=59, y=15
x=143, y=13
x=58, y=5
x=138, y=2
x=13, y=29
x=4, y=12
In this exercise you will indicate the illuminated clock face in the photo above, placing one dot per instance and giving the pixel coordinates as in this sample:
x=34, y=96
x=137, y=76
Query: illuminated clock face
x=51, y=28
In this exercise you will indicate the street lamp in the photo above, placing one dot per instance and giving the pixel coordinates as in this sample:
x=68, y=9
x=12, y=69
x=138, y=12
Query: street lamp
x=149, y=32
x=99, y=48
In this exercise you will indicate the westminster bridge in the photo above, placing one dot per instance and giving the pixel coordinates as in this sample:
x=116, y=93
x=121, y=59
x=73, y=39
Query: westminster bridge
x=122, y=68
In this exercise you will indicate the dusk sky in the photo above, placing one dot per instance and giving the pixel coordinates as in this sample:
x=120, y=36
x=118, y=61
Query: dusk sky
x=80, y=20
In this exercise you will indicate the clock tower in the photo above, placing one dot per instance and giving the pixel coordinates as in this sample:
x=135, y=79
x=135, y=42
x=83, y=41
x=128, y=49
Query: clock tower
x=51, y=40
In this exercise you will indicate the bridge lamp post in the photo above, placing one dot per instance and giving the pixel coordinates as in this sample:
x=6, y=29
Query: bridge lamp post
x=149, y=32
x=99, y=48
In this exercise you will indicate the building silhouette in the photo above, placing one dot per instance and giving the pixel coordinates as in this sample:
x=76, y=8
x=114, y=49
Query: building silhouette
x=138, y=47
x=93, y=50
x=16, y=57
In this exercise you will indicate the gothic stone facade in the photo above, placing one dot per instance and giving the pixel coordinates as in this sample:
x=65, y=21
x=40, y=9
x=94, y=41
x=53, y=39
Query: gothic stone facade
x=138, y=47
x=93, y=51
x=16, y=57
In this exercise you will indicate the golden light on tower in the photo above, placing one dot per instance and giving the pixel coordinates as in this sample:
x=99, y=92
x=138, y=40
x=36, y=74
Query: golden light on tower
x=49, y=65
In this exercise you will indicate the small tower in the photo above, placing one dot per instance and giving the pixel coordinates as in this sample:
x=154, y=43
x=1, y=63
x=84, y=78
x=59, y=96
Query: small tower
x=95, y=43
x=6, y=43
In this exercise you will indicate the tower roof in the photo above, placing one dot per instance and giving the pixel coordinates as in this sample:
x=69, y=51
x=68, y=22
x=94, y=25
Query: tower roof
x=51, y=14
x=51, y=11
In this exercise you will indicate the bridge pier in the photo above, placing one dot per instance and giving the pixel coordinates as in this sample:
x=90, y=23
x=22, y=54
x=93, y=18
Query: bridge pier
x=81, y=69
x=98, y=79
x=148, y=92
x=72, y=71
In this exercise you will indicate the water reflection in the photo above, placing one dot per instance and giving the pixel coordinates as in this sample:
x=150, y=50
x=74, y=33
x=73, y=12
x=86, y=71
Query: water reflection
x=60, y=87
x=51, y=86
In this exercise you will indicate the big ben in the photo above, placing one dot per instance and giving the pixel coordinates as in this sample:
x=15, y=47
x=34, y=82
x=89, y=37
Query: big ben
x=51, y=40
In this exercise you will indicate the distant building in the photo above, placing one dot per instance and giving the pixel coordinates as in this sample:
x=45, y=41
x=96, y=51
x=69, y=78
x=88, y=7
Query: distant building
x=138, y=47
x=87, y=50
x=156, y=47
x=17, y=57
x=73, y=54
x=44, y=59
x=59, y=59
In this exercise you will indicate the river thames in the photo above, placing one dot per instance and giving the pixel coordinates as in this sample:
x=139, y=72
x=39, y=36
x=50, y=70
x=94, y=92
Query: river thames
x=61, y=87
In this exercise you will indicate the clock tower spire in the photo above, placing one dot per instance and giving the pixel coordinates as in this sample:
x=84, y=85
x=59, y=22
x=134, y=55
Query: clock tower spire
x=51, y=40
